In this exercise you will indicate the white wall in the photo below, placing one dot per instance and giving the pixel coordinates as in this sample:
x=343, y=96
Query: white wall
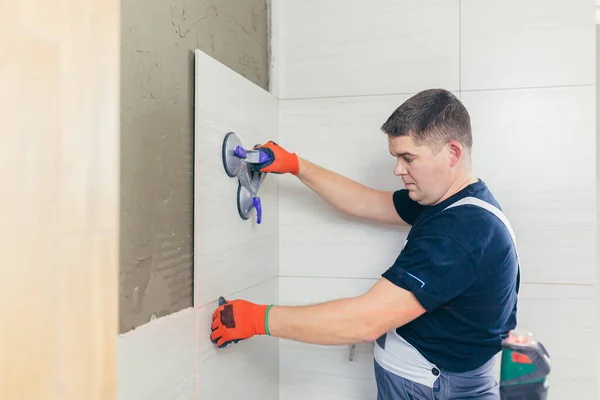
x=525, y=71
x=173, y=357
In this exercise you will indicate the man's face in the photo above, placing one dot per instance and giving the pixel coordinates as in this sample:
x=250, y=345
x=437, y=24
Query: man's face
x=426, y=175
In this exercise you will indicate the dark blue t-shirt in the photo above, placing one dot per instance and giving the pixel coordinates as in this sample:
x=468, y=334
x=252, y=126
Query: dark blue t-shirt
x=462, y=267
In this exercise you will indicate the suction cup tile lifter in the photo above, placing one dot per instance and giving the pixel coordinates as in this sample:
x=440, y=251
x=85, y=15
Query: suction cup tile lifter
x=238, y=162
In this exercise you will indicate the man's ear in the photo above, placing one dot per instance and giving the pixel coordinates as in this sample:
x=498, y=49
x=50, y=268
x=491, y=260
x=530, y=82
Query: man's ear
x=455, y=151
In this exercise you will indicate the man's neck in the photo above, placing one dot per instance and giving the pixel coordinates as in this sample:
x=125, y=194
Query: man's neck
x=459, y=184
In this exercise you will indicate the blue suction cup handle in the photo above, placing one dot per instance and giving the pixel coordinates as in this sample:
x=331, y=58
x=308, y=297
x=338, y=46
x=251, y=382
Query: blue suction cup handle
x=257, y=205
x=253, y=156
x=240, y=152
x=263, y=157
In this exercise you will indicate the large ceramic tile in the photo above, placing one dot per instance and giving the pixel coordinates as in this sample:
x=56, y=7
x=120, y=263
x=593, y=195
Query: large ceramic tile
x=563, y=318
x=173, y=358
x=230, y=253
x=246, y=370
x=344, y=136
x=309, y=371
x=306, y=290
x=325, y=372
x=536, y=151
x=157, y=360
x=326, y=244
x=345, y=47
x=515, y=43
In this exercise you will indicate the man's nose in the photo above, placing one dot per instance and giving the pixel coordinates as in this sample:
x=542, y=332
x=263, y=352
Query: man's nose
x=400, y=169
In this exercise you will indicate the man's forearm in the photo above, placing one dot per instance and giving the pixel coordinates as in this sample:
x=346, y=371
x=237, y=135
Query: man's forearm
x=337, y=322
x=337, y=190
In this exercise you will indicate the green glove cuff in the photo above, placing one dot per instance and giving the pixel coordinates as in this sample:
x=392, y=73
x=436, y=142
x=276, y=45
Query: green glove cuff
x=267, y=319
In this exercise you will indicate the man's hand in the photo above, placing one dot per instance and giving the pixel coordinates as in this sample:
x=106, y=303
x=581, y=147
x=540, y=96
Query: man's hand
x=281, y=162
x=236, y=320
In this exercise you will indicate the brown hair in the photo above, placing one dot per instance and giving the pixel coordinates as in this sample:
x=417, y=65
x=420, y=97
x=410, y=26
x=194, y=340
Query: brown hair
x=433, y=117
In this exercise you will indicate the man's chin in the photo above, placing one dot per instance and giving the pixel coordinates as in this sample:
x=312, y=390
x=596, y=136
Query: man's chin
x=416, y=197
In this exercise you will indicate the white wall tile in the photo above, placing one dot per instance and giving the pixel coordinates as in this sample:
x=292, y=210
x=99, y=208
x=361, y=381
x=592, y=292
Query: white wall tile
x=173, y=358
x=563, y=319
x=246, y=370
x=536, y=150
x=325, y=372
x=156, y=360
x=516, y=43
x=341, y=134
x=345, y=47
x=309, y=371
x=307, y=290
x=230, y=253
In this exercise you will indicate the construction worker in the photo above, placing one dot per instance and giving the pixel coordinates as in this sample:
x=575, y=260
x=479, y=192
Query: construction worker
x=439, y=313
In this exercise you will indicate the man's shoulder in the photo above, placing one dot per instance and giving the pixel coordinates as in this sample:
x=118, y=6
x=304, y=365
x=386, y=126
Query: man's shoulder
x=458, y=218
x=472, y=218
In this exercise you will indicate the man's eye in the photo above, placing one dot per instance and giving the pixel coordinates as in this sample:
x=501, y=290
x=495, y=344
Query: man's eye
x=408, y=160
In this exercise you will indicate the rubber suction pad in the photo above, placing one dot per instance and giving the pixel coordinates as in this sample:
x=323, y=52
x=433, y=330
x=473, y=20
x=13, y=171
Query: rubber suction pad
x=231, y=162
x=244, y=202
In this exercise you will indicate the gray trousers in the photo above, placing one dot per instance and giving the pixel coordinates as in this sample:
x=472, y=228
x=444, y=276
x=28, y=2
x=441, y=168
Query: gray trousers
x=477, y=384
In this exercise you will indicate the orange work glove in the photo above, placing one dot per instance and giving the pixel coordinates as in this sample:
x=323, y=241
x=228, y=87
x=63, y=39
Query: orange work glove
x=236, y=320
x=281, y=161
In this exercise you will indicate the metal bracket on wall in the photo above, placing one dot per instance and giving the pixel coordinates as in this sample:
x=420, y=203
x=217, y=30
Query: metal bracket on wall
x=237, y=162
x=352, y=352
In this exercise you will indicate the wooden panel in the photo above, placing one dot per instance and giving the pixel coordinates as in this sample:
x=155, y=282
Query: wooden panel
x=59, y=96
x=230, y=254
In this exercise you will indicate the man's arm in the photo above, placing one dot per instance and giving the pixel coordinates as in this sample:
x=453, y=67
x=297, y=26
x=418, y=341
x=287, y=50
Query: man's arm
x=345, y=321
x=344, y=194
x=348, y=196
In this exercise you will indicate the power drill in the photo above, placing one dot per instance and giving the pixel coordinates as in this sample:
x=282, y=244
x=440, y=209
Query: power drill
x=524, y=368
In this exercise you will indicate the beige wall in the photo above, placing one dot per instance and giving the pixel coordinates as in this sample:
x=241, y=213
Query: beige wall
x=158, y=40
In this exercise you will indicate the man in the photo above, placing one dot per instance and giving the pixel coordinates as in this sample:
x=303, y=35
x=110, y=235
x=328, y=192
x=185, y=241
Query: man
x=439, y=313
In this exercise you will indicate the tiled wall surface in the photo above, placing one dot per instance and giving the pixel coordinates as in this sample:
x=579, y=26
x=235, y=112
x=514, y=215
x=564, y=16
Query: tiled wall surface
x=525, y=71
x=348, y=47
x=233, y=256
x=532, y=43
x=536, y=150
x=173, y=357
x=323, y=372
x=341, y=134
